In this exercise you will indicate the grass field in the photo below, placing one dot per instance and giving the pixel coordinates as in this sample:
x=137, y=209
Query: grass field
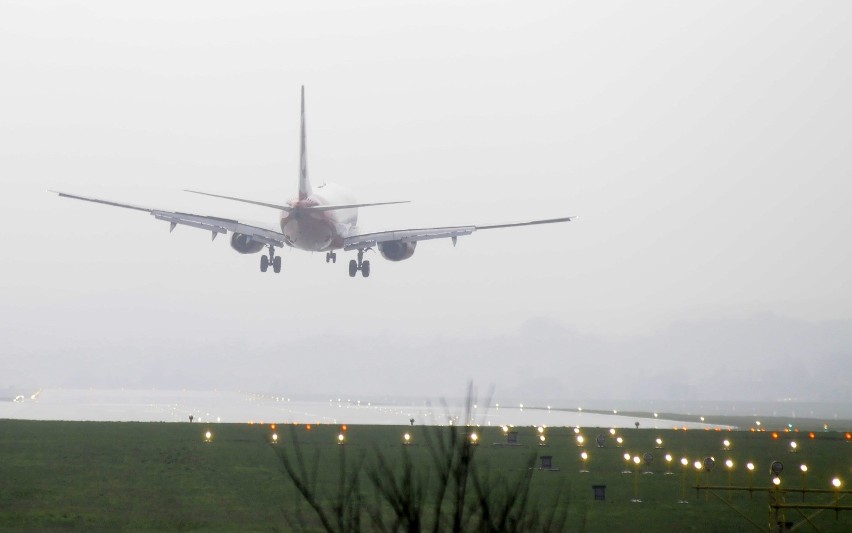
x=163, y=476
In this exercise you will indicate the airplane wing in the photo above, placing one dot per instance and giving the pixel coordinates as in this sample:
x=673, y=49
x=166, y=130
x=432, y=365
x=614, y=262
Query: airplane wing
x=367, y=240
x=215, y=225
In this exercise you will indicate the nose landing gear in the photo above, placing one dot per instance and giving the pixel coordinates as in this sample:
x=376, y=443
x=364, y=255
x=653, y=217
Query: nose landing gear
x=330, y=257
x=360, y=264
x=271, y=259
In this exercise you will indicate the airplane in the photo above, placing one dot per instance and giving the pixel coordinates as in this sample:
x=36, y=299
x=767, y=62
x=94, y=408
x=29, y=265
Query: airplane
x=319, y=219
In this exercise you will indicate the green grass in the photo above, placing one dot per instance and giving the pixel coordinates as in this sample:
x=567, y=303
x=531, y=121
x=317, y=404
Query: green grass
x=157, y=476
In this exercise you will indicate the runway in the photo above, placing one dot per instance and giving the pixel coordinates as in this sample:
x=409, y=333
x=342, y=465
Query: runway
x=246, y=407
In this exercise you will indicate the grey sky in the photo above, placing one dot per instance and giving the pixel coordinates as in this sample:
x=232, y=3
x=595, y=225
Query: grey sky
x=704, y=145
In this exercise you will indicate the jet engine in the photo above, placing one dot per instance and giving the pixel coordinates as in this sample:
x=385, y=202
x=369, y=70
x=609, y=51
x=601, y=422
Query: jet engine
x=397, y=250
x=244, y=244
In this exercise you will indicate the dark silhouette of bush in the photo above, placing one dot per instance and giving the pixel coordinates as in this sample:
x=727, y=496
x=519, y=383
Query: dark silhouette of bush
x=452, y=492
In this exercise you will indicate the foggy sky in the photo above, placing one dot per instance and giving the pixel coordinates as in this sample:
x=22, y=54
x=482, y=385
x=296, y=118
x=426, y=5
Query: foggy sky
x=704, y=147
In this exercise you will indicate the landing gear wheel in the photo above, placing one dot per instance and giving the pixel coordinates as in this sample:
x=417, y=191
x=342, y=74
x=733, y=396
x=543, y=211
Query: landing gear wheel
x=365, y=269
x=353, y=268
x=276, y=264
x=264, y=263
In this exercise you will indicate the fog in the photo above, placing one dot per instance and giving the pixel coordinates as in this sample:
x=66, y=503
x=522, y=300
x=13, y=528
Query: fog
x=704, y=148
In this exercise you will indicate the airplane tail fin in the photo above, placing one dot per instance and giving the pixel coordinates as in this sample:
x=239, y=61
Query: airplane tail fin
x=304, y=183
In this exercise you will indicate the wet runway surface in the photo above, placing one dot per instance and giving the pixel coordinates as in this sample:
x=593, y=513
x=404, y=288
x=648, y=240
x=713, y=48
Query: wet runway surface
x=243, y=407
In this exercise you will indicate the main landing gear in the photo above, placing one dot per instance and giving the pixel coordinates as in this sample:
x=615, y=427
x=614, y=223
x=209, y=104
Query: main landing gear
x=330, y=257
x=360, y=264
x=271, y=259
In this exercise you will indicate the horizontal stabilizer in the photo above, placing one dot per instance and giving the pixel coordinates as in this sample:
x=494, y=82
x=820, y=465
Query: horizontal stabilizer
x=255, y=202
x=351, y=206
x=290, y=208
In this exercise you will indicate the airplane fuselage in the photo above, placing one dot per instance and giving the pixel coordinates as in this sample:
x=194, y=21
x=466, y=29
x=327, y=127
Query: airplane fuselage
x=324, y=230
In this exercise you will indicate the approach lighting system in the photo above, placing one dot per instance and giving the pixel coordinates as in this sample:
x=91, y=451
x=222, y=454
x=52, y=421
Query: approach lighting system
x=580, y=440
x=804, y=468
x=776, y=480
x=620, y=441
x=669, y=463
x=750, y=466
x=793, y=446
x=659, y=442
x=726, y=444
x=274, y=438
x=836, y=483
x=341, y=438
x=612, y=431
x=406, y=439
x=697, y=465
x=637, y=460
x=684, y=461
x=584, y=456
x=474, y=439
x=208, y=436
x=577, y=429
x=729, y=463
x=542, y=440
x=626, y=456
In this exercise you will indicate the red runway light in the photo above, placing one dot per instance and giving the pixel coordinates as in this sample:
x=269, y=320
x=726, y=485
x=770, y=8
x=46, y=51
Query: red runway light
x=774, y=435
x=812, y=435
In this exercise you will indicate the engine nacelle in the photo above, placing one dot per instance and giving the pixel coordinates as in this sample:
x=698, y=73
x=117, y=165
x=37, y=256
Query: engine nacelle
x=245, y=244
x=397, y=250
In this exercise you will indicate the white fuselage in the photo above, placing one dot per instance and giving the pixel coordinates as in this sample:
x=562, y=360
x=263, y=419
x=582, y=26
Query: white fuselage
x=320, y=231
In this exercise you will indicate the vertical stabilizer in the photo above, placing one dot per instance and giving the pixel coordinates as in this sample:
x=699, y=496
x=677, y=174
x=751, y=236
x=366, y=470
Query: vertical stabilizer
x=304, y=184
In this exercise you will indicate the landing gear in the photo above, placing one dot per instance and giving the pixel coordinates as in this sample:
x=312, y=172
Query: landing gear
x=360, y=264
x=330, y=257
x=270, y=260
